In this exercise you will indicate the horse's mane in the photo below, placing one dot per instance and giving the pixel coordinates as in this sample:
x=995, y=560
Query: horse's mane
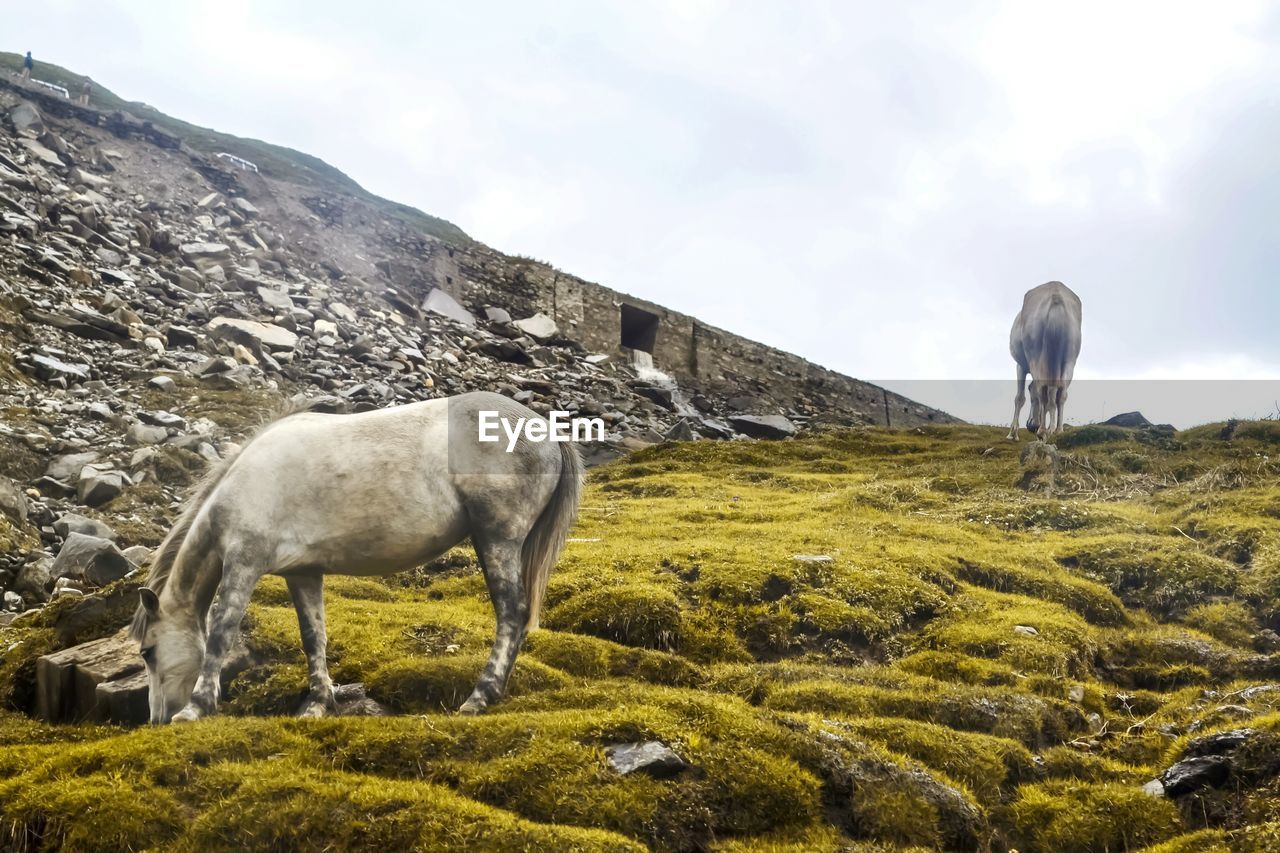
x=166, y=556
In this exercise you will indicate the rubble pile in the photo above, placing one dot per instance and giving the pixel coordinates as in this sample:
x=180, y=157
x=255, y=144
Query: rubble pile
x=143, y=331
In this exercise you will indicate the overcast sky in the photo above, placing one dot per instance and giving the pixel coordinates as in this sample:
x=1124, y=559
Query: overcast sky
x=870, y=185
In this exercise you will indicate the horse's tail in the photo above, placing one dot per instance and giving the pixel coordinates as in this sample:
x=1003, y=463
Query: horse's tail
x=545, y=541
x=1057, y=335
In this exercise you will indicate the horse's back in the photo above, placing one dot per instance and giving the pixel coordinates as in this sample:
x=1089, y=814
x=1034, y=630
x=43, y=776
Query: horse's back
x=376, y=491
x=1046, y=332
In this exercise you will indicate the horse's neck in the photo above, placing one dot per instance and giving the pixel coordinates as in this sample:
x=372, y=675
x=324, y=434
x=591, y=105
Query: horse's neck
x=192, y=584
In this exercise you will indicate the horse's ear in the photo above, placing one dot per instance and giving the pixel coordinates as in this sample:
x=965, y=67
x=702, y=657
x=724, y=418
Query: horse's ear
x=150, y=601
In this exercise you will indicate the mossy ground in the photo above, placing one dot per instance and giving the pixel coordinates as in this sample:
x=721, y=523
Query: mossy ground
x=968, y=666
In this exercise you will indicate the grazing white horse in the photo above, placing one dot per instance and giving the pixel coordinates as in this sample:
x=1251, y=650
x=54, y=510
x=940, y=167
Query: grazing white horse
x=366, y=494
x=1045, y=342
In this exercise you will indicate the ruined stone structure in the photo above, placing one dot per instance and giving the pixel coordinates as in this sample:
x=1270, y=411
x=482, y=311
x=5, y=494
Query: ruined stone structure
x=701, y=357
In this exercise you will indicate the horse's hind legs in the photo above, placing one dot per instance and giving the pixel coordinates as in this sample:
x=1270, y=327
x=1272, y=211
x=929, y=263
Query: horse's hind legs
x=1018, y=401
x=307, y=592
x=504, y=576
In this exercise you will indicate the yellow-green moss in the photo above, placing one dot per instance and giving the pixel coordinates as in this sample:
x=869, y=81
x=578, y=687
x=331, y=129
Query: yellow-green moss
x=1072, y=817
x=882, y=697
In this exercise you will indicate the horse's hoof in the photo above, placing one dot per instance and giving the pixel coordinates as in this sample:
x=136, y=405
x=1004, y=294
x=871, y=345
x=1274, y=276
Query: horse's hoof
x=187, y=715
x=472, y=707
x=313, y=710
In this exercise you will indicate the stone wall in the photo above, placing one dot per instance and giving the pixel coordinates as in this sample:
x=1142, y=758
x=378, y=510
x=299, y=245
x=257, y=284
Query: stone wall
x=699, y=356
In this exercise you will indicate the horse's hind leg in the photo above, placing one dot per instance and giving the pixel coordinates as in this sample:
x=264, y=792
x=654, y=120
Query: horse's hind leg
x=307, y=592
x=503, y=574
x=1018, y=402
x=238, y=581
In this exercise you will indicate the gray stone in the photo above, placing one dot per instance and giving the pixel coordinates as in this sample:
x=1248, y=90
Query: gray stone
x=277, y=299
x=69, y=465
x=539, y=326
x=139, y=555
x=97, y=485
x=13, y=502
x=497, y=315
x=146, y=434
x=342, y=312
x=92, y=559
x=162, y=383
x=26, y=118
x=67, y=681
x=1192, y=774
x=266, y=334
x=245, y=206
x=205, y=251
x=35, y=579
x=680, y=431
x=651, y=757
x=763, y=426
x=213, y=367
x=49, y=368
x=74, y=522
x=439, y=302
x=163, y=419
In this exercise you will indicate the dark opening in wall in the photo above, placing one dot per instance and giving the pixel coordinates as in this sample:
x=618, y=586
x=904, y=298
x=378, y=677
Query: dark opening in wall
x=639, y=328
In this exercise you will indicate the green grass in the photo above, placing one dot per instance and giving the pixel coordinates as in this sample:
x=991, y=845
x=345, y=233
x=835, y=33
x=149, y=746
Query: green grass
x=975, y=667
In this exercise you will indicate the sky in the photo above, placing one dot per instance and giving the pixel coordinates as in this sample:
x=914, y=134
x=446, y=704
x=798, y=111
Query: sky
x=872, y=186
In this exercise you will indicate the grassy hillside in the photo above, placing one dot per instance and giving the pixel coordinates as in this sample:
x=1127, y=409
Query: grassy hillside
x=274, y=161
x=867, y=640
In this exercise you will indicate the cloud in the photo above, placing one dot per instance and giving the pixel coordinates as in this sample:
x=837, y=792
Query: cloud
x=872, y=186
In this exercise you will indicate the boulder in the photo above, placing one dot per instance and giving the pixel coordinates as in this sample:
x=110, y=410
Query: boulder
x=69, y=465
x=265, y=334
x=277, y=299
x=539, y=326
x=96, y=560
x=205, y=251
x=68, y=682
x=245, y=206
x=25, y=118
x=146, y=434
x=651, y=757
x=163, y=419
x=1192, y=774
x=439, y=302
x=99, y=484
x=13, y=502
x=73, y=522
x=1133, y=420
x=49, y=368
x=35, y=579
x=497, y=315
x=763, y=426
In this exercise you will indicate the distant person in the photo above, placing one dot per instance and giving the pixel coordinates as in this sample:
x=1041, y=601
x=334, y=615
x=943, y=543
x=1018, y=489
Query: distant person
x=27, y=65
x=85, y=91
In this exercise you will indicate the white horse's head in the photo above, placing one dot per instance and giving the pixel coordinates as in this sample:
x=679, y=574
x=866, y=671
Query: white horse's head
x=173, y=652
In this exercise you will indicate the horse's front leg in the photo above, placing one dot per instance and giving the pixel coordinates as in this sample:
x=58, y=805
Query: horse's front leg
x=224, y=628
x=308, y=601
x=503, y=575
